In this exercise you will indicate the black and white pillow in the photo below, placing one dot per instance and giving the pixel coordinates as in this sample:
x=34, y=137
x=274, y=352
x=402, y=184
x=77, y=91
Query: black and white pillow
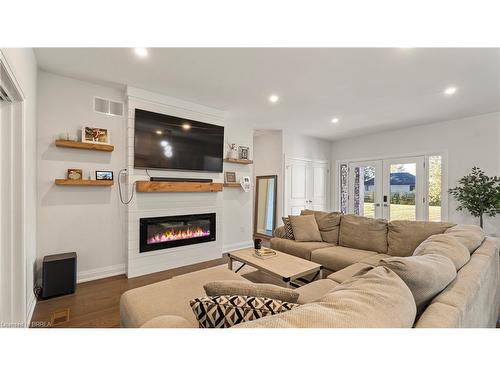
x=288, y=228
x=226, y=311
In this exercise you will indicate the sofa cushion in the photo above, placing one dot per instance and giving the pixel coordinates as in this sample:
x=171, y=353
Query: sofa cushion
x=287, y=224
x=446, y=245
x=241, y=288
x=363, y=233
x=169, y=297
x=305, y=228
x=425, y=275
x=471, y=236
x=167, y=321
x=315, y=290
x=226, y=311
x=337, y=257
x=280, y=232
x=298, y=249
x=348, y=272
x=377, y=298
x=404, y=236
x=328, y=224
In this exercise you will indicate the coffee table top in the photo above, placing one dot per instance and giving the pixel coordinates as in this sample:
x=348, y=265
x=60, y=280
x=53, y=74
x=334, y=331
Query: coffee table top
x=282, y=265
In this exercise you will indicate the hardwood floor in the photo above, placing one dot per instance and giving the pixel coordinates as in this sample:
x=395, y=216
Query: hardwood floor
x=95, y=304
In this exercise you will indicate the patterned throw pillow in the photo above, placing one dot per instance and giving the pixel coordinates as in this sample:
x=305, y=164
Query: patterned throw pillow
x=226, y=311
x=288, y=228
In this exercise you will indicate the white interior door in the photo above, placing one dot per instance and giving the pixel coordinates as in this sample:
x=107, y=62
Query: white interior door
x=296, y=186
x=306, y=186
x=403, y=191
x=365, y=188
x=318, y=199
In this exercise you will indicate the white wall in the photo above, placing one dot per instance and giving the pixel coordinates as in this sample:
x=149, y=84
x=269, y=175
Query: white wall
x=301, y=146
x=23, y=64
x=472, y=141
x=268, y=160
x=89, y=220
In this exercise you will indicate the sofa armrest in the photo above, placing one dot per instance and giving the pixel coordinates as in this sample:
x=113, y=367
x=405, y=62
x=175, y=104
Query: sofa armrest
x=279, y=232
x=168, y=321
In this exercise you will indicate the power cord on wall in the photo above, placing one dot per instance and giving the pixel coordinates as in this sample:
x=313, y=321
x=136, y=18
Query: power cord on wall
x=120, y=188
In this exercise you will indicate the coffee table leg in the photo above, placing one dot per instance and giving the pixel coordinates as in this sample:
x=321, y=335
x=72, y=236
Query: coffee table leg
x=320, y=276
x=230, y=263
x=287, y=280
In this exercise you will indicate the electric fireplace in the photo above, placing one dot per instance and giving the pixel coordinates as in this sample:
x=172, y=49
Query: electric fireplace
x=171, y=231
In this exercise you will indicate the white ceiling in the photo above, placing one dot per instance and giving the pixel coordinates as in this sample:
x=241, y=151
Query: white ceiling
x=368, y=89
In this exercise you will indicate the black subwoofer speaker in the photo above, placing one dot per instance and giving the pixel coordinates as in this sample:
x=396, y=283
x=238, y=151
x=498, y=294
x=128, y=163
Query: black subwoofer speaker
x=58, y=275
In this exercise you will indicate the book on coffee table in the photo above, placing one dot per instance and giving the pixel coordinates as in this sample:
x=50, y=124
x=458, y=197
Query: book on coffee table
x=265, y=253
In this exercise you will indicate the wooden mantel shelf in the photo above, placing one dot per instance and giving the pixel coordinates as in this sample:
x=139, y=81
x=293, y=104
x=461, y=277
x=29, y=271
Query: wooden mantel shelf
x=84, y=146
x=238, y=161
x=66, y=182
x=177, y=187
x=232, y=185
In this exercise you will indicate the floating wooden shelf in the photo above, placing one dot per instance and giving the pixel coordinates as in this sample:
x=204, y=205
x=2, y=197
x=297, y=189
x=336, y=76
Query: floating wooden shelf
x=177, y=187
x=84, y=146
x=232, y=185
x=66, y=182
x=238, y=161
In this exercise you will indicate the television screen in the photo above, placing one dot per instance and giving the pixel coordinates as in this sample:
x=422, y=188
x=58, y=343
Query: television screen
x=168, y=142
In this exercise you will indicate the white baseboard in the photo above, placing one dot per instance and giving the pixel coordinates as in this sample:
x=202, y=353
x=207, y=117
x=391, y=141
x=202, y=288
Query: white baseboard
x=30, y=309
x=237, y=246
x=100, y=273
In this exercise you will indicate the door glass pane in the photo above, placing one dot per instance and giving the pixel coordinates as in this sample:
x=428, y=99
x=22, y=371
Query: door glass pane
x=435, y=188
x=364, y=191
x=402, y=185
x=344, y=188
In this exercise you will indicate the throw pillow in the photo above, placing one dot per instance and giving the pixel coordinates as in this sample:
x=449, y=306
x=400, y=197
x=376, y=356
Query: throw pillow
x=446, y=245
x=305, y=228
x=288, y=228
x=328, y=224
x=425, y=275
x=243, y=288
x=226, y=311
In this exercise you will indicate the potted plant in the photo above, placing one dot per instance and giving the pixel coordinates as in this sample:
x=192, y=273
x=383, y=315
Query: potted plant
x=478, y=193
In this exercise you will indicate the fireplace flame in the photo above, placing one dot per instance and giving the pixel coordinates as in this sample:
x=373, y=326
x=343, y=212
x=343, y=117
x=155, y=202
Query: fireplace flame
x=178, y=234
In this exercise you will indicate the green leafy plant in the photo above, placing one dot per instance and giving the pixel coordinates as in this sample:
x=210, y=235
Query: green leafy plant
x=478, y=193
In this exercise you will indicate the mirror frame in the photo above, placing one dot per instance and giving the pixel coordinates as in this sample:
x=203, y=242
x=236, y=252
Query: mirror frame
x=257, y=178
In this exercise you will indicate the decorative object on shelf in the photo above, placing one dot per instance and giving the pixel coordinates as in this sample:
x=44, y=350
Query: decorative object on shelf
x=229, y=177
x=75, y=174
x=104, y=175
x=232, y=153
x=95, y=135
x=245, y=183
x=243, y=152
x=66, y=137
x=478, y=193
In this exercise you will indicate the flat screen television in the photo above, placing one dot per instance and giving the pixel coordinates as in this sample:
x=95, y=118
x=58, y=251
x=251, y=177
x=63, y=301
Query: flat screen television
x=168, y=142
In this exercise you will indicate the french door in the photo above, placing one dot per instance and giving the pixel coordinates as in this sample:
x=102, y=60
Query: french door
x=392, y=189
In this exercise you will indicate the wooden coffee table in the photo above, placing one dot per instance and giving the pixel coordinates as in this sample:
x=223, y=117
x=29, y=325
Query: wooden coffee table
x=283, y=266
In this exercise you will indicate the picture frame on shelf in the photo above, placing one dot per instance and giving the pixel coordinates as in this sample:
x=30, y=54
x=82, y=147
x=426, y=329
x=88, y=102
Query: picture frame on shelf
x=104, y=175
x=243, y=152
x=95, y=135
x=229, y=177
x=75, y=174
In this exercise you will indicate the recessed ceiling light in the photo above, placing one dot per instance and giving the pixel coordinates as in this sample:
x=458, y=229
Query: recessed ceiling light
x=159, y=132
x=274, y=98
x=141, y=52
x=186, y=126
x=335, y=120
x=450, y=90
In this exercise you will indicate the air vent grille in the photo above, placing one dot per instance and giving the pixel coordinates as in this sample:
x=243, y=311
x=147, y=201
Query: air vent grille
x=108, y=107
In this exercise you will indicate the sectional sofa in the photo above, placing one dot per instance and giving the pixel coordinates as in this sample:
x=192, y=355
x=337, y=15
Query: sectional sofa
x=370, y=285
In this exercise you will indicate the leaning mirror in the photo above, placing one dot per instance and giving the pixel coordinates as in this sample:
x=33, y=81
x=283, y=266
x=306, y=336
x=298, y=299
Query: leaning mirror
x=265, y=205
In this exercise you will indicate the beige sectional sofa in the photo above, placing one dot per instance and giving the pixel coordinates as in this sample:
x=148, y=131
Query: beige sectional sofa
x=361, y=291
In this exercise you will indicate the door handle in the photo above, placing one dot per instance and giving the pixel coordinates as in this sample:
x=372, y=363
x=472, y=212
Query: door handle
x=377, y=204
x=386, y=205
